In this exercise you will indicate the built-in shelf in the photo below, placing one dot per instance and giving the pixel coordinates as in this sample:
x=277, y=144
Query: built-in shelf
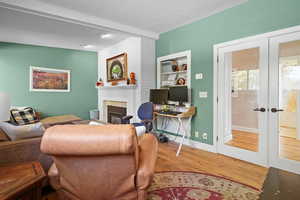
x=177, y=72
x=168, y=61
x=117, y=86
x=165, y=74
x=167, y=86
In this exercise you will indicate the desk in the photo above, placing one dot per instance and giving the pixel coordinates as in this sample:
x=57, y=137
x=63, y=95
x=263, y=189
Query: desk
x=187, y=114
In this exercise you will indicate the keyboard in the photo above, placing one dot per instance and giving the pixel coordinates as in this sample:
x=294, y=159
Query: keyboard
x=169, y=112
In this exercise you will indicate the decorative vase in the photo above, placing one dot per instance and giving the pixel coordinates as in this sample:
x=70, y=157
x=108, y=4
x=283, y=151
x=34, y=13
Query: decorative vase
x=132, y=80
x=114, y=83
x=99, y=83
x=174, y=66
x=180, y=81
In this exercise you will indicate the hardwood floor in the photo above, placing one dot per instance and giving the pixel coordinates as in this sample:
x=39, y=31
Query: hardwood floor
x=195, y=160
x=289, y=147
x=244, y=140
x=191, y=159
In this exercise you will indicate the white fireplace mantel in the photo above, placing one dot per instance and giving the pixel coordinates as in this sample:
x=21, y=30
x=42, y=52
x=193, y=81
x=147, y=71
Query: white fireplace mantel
x=117, y=86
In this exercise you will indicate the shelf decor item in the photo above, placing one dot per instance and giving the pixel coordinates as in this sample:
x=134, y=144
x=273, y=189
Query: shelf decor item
x=132, y=79
x=174, y=66
x=49, y=80
x=100, y=83
x=116, y=68
x=114, y=83
x=180, y=81
x=128, y=81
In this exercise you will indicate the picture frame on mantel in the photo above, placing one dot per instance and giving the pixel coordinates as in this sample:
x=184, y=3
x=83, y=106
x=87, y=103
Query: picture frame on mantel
x=116, y=68
x=49, y=80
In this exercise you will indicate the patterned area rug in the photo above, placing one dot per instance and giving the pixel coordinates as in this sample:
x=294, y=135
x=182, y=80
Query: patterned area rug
x=198, y=186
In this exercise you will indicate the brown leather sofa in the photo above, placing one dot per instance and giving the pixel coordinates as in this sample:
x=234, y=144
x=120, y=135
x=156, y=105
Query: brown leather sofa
x=19, y=151
x=27, y=150
x=100, y=162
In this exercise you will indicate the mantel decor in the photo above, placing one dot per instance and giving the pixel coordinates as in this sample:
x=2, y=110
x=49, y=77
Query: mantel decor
x=116, y=68
x=49, y=80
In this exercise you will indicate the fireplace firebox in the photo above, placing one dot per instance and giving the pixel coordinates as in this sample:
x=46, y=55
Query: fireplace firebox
x=115, y=114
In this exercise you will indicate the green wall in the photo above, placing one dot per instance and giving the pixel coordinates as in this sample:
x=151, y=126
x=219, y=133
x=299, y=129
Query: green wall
x=251, y=18
x=15, y=61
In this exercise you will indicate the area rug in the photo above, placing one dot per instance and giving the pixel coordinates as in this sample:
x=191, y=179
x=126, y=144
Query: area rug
x=198, y=186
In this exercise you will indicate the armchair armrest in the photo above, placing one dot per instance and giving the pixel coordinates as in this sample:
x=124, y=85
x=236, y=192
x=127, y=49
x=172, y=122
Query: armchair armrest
x=148, y=147
x=126, y=119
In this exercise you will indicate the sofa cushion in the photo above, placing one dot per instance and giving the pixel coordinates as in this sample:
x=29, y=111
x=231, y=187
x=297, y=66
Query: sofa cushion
x=3, y=136
x=23, y=116
x=22, y=132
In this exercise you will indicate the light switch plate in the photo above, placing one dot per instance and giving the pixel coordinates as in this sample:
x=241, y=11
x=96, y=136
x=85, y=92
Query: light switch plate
x=199, y=76
x=203, y=94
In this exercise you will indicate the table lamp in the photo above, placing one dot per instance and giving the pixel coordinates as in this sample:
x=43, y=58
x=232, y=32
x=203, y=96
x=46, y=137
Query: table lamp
x=4, y=107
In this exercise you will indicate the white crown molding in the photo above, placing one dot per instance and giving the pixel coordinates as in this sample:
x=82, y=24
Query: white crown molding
x=75, y=17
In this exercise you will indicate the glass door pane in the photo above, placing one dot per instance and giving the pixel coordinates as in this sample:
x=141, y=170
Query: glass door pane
x=242, y=108
x=289, y=100
x=244, y=99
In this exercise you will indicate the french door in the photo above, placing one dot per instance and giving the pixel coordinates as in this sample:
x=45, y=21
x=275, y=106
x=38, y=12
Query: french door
x=259, y=101
x=284, y=102
x=243, y=99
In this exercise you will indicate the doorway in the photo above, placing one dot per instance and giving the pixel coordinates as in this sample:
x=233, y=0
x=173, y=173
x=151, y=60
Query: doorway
x=258, y=109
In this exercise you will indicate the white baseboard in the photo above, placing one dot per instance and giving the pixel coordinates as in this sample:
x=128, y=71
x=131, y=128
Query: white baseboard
x=227, y=138
x=246, y=129
x=194, y=144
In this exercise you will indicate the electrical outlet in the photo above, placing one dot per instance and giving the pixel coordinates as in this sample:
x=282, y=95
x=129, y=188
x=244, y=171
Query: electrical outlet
x=199, y=76
x=204, y=136
x=203, y=94
x=196, y=134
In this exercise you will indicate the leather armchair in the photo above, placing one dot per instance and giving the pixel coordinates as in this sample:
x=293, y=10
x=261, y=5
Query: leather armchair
x=100, y=162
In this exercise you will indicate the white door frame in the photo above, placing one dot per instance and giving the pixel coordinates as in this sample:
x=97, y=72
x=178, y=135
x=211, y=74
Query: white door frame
x=215, y=71
x=275, y=160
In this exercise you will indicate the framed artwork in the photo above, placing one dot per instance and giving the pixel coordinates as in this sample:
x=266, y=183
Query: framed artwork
x=49, y=80
x=116, y=68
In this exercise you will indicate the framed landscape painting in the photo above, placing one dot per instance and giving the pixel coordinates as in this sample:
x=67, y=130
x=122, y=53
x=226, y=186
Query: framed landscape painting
x=49, y=80
x=116, y=68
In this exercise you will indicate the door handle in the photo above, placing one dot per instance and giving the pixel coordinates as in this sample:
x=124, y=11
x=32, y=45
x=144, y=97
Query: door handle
x=274, y=110
x=260, y=110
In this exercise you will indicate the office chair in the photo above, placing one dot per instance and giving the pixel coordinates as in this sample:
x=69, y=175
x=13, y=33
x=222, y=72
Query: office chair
x=145, y=114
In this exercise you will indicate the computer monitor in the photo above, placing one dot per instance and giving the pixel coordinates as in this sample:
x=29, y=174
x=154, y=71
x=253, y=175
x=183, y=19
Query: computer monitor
x=159, y=96
x=179, y=94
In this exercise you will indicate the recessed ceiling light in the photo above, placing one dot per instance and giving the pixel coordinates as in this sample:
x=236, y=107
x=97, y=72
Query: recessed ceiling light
x=87, y=46
x=106, y=36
